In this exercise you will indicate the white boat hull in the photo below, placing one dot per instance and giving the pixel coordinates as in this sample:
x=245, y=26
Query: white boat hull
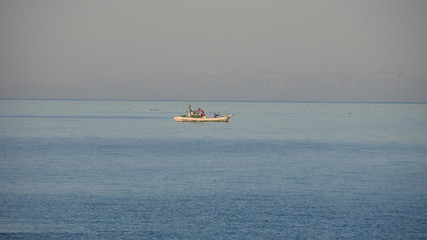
x=203, y=119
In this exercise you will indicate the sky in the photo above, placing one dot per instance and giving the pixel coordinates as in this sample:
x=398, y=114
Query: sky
x=297, y=50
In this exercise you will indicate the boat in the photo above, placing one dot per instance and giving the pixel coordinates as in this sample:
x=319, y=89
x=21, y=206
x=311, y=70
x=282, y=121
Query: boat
x=200, y=116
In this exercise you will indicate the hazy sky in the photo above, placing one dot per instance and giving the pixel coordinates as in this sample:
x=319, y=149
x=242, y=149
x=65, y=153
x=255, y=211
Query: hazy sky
x=219, y=49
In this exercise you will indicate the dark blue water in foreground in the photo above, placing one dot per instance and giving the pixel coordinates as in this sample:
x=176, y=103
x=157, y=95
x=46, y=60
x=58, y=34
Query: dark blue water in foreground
x=126, y=170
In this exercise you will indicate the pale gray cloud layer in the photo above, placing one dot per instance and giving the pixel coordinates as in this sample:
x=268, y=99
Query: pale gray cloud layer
x=241, y=49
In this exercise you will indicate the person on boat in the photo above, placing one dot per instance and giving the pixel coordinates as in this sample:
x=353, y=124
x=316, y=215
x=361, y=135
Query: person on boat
x=200, y=112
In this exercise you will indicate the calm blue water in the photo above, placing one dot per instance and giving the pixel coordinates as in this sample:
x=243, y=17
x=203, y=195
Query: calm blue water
x=125, y=170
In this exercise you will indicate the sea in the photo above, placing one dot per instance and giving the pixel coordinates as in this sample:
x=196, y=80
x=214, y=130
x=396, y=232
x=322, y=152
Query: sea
x=107, y=169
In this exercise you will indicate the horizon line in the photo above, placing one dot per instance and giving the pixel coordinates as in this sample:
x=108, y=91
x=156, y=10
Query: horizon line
x=211, y=100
